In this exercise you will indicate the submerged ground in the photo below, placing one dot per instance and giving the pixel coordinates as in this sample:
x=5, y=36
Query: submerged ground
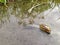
x=11, y=33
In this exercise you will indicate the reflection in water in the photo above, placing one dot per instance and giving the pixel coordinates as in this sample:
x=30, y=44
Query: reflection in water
x=20, y=10
x=17, y=14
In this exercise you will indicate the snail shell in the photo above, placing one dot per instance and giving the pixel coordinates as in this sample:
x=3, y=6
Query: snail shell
x=45, y=28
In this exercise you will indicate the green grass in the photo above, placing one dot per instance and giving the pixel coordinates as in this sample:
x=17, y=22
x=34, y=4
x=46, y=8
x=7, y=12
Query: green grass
x=3, y=1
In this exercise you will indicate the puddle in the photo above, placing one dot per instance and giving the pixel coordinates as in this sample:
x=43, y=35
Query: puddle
x=11, y=33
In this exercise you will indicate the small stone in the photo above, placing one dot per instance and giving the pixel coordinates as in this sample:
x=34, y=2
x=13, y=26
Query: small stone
x=45, y=28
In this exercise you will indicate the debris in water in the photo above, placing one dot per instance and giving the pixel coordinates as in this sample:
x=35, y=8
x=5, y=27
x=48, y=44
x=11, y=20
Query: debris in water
x=19, y=23
x=42, y=17
x=45, y=28
x=31, y=21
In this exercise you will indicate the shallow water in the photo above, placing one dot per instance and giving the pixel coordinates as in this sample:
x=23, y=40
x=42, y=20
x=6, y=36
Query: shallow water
x=11, y=33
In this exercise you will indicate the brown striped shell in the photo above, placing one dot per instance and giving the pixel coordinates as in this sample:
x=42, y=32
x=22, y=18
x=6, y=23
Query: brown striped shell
x=45, y=28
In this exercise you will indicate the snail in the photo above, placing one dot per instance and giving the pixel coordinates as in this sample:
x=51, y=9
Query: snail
x=45, y=28
x=42, y=27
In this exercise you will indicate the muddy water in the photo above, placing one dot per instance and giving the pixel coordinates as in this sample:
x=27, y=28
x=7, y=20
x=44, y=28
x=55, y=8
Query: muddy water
x=11, y=33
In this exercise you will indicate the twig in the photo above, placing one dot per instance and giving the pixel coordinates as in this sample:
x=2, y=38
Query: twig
x=30, y=10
